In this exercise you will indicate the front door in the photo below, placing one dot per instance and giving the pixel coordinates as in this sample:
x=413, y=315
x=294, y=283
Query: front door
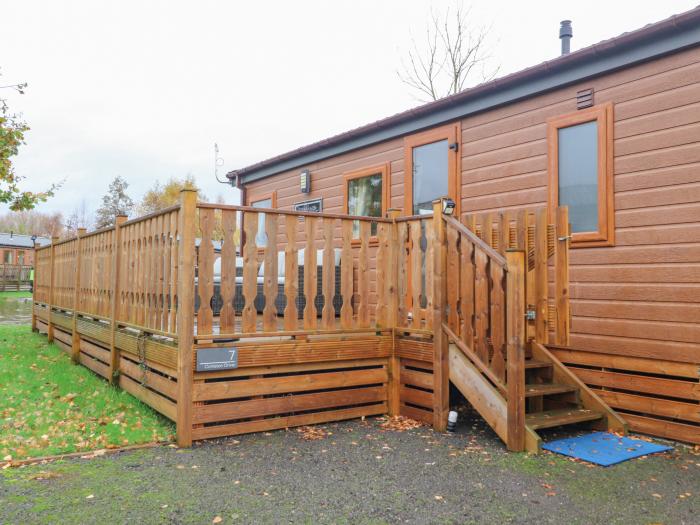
x=431, y=163
x=431, y=159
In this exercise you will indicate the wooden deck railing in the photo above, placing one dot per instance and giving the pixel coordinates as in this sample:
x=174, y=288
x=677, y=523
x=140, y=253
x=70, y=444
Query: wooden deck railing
x=497, y=296
x=15, y=277
x=268, y=272
x=415, y=272
x=146, y=272
x=289, y=289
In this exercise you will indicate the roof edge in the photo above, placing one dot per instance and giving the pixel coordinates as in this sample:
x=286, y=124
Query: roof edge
x=671, y=35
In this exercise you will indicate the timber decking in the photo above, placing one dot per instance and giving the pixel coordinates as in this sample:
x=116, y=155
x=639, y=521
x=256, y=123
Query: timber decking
x=385, y=351
x=15, y=277
x=122, y=302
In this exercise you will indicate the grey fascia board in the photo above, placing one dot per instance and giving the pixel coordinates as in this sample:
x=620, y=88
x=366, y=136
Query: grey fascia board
x=549, y=81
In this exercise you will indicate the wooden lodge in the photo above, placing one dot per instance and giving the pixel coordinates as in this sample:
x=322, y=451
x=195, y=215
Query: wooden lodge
x=534, y=240
x=17, y=260
x=18, y=249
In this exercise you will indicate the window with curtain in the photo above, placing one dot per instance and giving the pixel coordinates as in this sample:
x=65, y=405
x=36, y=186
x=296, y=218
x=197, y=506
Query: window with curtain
x=364, y=197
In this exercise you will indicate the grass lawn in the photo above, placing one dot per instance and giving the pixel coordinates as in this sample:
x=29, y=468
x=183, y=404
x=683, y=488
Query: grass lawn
x=4, y=295
x=50, y=406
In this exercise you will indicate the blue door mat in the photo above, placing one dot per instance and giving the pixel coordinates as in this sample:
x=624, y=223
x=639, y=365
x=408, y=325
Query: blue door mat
x=603, y=448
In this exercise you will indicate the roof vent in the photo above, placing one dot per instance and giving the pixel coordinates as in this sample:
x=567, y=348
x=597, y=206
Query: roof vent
x=565, y=34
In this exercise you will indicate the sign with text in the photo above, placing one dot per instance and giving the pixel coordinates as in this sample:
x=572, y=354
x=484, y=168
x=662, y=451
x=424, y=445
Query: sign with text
x=210, y=359
x=314, y=205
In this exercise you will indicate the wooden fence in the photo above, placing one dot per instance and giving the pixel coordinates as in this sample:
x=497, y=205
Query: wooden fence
x=331, y=316
x=15, y=277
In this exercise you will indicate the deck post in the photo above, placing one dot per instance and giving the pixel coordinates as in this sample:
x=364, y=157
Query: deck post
x=49, y=329
x=75, y=337
x=515, y=337
x=116, y=263
x=561, y=277
x=185, y=315
x=392, y=316
x=441, y=372
x=34, y=328
x=541, y=279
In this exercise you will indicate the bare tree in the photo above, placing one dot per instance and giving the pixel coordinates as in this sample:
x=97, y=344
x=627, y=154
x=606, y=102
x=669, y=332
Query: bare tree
x=32, y=222
x=80, y=218
x=455, y=55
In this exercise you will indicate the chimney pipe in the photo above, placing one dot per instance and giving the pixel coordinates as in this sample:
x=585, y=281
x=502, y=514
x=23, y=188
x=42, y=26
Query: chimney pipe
x=565, y=34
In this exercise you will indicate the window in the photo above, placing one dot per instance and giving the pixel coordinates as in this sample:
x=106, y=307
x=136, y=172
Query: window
x=432, y=167
x=20, y=257
x=429, y=175
x=262, y=201
x=580, y=173
x=365, y=194
x=7, y=257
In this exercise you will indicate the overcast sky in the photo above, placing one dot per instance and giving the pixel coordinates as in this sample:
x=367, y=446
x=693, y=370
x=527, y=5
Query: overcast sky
x=143, y=89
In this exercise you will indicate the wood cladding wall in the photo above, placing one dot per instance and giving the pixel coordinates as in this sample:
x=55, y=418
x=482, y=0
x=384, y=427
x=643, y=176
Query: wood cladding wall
x=638, y=298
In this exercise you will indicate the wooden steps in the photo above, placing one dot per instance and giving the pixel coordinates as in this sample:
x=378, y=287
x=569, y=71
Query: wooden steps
x=531, y=364
x=547, y=389
x=555, y=396
x=556, y=418
x=580, y=406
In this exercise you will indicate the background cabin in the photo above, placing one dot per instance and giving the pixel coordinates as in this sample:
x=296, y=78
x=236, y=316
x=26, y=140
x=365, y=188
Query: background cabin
x=19, y=249
x=17, y=260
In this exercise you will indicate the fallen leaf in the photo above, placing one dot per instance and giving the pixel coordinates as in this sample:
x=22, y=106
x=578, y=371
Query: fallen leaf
x=40, y=476
x=217, y=519
x=400, y=424
x=312, y=433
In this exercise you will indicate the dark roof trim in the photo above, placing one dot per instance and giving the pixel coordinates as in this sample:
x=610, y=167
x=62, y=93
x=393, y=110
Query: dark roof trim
x=668, y=36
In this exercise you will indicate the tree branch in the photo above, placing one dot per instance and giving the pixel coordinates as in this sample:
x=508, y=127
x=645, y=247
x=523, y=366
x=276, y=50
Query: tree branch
x=453, y=53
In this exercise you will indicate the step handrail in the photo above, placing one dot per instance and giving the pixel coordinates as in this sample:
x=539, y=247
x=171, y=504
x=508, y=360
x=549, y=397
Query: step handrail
x=507, y=373
x=469, y=354
x=493, y=254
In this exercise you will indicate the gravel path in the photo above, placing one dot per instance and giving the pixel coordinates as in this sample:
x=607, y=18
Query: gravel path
x=357, y=473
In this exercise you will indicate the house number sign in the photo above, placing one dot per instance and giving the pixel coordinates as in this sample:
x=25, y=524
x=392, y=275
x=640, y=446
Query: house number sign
x=210, y=359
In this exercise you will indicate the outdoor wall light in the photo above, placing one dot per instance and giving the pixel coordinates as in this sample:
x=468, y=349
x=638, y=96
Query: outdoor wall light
x=448, y=206
x=305, y=181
